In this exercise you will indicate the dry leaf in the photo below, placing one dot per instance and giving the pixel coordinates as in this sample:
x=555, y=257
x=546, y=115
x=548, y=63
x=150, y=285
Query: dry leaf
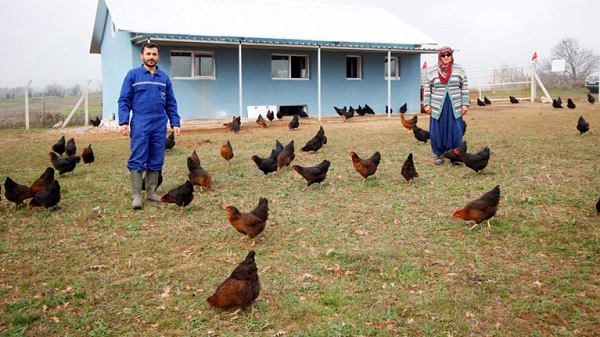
x=166, y=292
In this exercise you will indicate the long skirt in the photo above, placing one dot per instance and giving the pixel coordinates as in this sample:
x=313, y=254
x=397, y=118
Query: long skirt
x=446, y=132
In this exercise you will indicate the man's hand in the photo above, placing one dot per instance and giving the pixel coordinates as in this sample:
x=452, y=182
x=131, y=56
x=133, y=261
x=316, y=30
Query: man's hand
x=177, y=130
x=125, y=130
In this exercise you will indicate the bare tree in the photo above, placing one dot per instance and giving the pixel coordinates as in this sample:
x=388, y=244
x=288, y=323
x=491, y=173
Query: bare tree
x=579, y=62
x=54, y=89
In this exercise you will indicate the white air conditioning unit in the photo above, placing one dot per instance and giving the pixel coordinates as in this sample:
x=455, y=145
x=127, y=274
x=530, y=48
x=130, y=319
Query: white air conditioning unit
x=254, y=110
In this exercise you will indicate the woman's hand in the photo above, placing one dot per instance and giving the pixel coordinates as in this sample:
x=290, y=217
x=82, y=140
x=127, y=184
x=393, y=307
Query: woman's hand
x=463, y=110
x=427, y=109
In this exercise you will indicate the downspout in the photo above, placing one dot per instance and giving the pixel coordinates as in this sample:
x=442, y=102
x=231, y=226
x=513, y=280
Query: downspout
x=240, y=78
x=389, y=84
x=319, y=81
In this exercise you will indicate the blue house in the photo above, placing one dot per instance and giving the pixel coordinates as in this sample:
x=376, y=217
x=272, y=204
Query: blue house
x=240, y=57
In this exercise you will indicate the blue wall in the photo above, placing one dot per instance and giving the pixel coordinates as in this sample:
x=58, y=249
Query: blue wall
x=219, y=98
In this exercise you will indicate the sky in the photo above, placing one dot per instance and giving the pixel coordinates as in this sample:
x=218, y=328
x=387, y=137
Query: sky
x=50, y=39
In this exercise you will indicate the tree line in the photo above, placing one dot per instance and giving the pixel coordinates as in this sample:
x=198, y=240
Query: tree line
x=52, y=89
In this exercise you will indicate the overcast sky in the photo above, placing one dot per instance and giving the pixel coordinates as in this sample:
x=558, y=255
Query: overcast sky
x=50, y=39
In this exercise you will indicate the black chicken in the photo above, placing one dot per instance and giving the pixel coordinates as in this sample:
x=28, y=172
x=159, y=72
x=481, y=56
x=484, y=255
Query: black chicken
x=180, y=196
x=420, y=134
x=513, y=100
x=480, y=102
x=88, y=155
x=70, y=148
x=48, y=197
x=368, y=110
x=556, y=104
x=313, y=174
x=570, y=104
x=270, y=115
x=170, y=141
x=95, y=122
x=404, y=108
x=16, y=192
x=340, y=111
x=63, y=165
x=294, y=123
x=582, y=125
x=409, y=172
x=591, y=99
x=59, y=146
x=475, y=161
x=315, y=143
x=487, y=101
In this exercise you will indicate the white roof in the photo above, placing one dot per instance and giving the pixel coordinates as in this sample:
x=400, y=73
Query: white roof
x=258, y=19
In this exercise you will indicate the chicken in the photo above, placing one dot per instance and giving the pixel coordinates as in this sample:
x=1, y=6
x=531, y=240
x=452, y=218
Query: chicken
x=360, y=111
x=230, y=124
x=270, y=115
x=582, y=125
x=160, y=181
x=347, y=113
x=480, y=102
x=95, y=122
x=236, y=124
x=71, y=148
x=570, y=104
x=464, y=126
x=181, y=195
x=170, y=141
x=315, y=143
x=261, y=121
x=252, y=223
x=321, y=133
x=63, y=165
x=591, y=99
x=241, y=288
x=480, y=209
x=294, y=123
x=598, y=206
x=277, y=150
x=47, y=197
x=43, y=181
x=226, y=151
x=59, y=146
x=341, y=111
x=16, y=192
x=420, y=134
x=409, y=172
x=368, y=110
x=301, y=113
x=403, y=108
x=313, y=174
x=451, y=154
x=87, y=155
x=286, y=156
x=556, y=104
x=475, y=161
x=513, y=100
x=408, y=124
x=197, y=175
x=366, y=167
x=279, y=114
x=266, y=165
x=487, y=101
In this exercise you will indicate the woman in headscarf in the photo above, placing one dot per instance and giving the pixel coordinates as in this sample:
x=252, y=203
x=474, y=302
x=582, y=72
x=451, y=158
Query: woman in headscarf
x=446, y=99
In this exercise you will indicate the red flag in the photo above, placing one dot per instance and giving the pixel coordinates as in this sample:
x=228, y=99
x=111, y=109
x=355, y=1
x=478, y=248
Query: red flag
x=424, y=65
x=534, y=57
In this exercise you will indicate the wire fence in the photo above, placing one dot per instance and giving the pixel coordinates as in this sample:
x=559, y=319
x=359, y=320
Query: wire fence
x=48, y=103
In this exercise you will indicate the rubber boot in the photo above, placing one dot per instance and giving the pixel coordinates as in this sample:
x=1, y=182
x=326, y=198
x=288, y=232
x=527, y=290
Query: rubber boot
x=151, y=184
x=136, y=189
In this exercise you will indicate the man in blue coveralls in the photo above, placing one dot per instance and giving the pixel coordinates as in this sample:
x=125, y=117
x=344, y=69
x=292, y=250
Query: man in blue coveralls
x=147, y=94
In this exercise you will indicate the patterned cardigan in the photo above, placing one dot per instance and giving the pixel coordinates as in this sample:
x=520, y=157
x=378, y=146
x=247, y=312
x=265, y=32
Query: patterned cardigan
x=435, y=92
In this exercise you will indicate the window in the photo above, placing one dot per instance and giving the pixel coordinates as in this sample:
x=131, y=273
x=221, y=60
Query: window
x=192, y=64
x=353, y=67
x=394, y=63
x=289, y=66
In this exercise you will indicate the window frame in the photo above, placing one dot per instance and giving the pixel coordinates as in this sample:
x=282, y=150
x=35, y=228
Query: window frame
x=289, y=64
x=397, y=68
x=194, y=55
x=358, y=67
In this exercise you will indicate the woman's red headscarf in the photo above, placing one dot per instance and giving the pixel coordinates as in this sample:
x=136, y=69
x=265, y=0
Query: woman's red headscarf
x=444, y=69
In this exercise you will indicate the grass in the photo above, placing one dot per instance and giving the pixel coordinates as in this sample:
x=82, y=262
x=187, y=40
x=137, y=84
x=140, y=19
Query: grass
x=348, y=258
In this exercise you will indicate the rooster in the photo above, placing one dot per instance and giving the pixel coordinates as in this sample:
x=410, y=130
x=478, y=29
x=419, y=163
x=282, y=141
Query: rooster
x=252, y=223
x=480, y=209
x=241, y=288
x=365, y=167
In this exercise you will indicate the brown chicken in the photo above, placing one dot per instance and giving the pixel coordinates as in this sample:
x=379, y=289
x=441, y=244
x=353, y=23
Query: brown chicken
x=16, y=192
x=408, y=124
x=198, y=176
x=261, y=121
x=63, y=165
x=87, y=155
x=285, y=157
x=480, y=209
x=181, y=195
x=229, y=125
x=409, y=172
x=227, y=151
x=241, y=288
x=251, y=223
x=71, y=148
x=366, y=167
x=48, y=197
x=43, y=181
x=313, y=174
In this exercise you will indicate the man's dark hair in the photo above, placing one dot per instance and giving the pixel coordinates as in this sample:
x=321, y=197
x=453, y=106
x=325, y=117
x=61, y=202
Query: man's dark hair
x=149, y=45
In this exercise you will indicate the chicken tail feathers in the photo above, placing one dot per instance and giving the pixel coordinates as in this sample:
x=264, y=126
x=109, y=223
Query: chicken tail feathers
x=262, y=210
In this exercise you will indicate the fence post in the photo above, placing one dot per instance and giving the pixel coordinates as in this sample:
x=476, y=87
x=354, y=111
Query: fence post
x=27, y=105
x=86, y=103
